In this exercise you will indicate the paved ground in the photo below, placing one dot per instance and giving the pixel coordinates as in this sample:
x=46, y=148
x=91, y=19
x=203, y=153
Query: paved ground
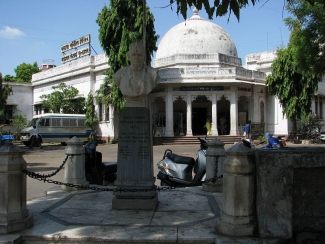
x=182, y=216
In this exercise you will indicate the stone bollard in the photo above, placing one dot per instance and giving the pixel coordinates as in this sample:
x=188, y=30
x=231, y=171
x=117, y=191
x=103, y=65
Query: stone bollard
x=216, y=155
x=238, y=215
x=75, y=166
x=14, y=216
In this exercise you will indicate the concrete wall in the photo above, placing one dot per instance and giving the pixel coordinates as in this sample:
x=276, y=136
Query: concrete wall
x=290, y=190
x=21, y=99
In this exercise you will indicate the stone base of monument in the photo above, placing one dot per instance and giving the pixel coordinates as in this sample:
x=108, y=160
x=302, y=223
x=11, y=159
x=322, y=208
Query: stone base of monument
x=213, y=187
x=135, y=183
x=135, y=203
x=135, y=197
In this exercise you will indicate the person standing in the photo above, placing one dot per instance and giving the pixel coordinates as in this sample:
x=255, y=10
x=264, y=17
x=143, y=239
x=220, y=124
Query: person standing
x=223, y=124
x=35, y=138
x=208, y=126
x=247, y=129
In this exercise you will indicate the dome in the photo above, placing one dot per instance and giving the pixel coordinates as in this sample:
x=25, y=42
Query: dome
x=196, y=36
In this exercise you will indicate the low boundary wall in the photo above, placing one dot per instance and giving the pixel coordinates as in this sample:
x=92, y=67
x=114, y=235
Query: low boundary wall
x=290, y=195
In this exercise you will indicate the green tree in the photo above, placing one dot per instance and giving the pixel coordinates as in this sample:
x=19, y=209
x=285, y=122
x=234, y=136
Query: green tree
x=307, y=35
x=64, y=98
x=5, y=92
x=25, y=71
x=223, y=7
x=91, y=117
x=294, y=90
x=20, y=122
x=119, y=25
x=9, y=78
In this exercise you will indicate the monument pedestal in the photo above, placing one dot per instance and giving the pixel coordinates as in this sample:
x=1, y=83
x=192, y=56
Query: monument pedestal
x=135, y=203
x=135, y=182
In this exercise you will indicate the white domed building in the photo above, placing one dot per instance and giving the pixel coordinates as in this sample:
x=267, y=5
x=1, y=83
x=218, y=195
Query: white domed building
x=201, y=76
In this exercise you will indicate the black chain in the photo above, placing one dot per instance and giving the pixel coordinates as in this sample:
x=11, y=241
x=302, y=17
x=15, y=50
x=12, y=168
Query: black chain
x=44, y=178
x=160, y=188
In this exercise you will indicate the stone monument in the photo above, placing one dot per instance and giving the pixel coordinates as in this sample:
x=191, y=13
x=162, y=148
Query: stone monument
x=135, y=179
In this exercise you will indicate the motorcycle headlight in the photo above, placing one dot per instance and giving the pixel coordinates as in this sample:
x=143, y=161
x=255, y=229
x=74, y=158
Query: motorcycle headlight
x=164, y=167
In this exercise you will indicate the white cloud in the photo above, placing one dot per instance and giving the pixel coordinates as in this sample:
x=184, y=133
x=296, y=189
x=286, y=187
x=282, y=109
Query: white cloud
x=8, y=32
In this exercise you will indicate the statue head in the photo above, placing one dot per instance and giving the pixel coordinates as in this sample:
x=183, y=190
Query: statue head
x=137, y=54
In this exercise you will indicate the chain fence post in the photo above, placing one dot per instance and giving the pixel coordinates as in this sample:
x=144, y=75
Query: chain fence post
x=238, y=212
x=74, y=172
x=216, y=155
x=14, y=215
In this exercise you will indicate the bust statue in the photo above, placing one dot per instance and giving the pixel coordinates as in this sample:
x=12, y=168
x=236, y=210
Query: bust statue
x=137, y=79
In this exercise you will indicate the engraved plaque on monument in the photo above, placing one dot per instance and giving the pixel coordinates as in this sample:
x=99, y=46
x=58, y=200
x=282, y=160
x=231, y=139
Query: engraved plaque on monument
x=135, y=161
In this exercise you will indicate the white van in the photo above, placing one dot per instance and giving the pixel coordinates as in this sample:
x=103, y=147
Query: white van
x=57, y=128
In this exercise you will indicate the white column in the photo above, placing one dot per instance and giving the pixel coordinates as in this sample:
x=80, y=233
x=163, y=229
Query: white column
x=189, y=115
x=254, y=110
x=169, y=114
x=92, y=83
x=214, y=115
x=234, y=114
x=111, y=119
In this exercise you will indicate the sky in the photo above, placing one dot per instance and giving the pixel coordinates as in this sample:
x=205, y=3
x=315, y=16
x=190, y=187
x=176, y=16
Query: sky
x=33, y=31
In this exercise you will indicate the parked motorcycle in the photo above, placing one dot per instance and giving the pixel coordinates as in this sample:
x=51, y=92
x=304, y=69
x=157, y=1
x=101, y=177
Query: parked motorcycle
x=273, y=143
x=96, y=171
x=177, y=170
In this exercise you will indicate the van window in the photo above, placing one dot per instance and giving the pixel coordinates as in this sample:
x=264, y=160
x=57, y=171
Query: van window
x=44, y=122
x=81, y=122
x=56, y=122
x=73, y=122
x=69, y=122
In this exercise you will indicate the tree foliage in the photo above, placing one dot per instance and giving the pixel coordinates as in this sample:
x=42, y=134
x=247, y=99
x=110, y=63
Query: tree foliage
x=222, y=7
x=5, y=92
x=307, y=35
x=91, y=117
x=20, y=121
x=64, y=98
x=25, y=71
x=9, y=78
x=294, y=90
x=119, y=25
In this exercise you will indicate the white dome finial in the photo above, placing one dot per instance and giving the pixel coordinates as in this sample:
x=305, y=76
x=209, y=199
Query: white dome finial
x=196, y=15
x=195, y=11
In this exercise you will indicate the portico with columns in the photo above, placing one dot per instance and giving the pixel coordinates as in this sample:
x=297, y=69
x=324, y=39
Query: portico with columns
x=213, y=106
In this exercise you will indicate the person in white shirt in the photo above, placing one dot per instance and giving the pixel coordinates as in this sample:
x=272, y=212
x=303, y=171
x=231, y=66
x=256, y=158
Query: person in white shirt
x=35, y=138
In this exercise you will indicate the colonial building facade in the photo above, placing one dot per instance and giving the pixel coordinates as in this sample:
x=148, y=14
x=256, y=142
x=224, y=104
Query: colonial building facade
x=201, y=76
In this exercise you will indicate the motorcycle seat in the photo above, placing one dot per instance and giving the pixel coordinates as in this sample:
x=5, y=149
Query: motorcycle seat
x=108, y=168
x=178, y=159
